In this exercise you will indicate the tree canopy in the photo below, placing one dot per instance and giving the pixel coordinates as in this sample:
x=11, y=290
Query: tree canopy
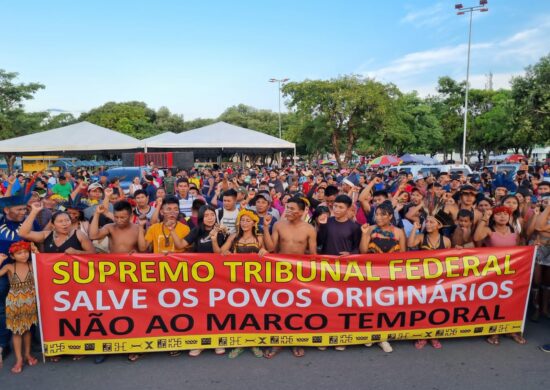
x=339, y=116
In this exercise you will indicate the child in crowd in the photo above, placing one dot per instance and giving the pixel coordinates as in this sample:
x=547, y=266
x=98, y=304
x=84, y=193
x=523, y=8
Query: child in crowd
x=21, y=311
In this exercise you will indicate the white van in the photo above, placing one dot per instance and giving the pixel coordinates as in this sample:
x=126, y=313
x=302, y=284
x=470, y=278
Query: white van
x=425, y=170
x=455, y=168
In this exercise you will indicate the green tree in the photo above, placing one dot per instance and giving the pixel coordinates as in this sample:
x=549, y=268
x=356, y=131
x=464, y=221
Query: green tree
x=531, y=95
x=198, y=122
x=417, y=129
x=14, y=121
x=491, y=129
x=346, y=110
x=56, y=121
x=448, y=106
x=249, y=117
x=166, y=121
x=132, y=118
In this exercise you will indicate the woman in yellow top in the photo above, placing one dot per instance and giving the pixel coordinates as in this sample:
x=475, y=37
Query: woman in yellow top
x=246, y=240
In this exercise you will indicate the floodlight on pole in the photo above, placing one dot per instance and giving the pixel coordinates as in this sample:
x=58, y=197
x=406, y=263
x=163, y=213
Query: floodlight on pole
x=280, y=82
x=463, y=10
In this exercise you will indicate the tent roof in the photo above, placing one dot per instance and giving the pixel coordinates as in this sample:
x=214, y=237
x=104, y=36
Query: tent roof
x=159, y=136
x=82, y=136
x=221, y=135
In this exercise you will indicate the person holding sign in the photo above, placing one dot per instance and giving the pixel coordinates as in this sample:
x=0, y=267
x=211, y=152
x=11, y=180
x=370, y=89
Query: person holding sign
x=383, y=237
x=495, y=230
x=166, y=236
x=63, y=238
x=246, y=240
x=431, y=239
x=291, y=235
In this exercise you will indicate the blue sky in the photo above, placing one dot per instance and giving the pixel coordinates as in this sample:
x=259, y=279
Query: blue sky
x=198, y=58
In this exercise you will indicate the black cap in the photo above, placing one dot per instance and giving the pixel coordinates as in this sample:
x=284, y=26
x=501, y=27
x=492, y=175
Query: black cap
x=467, y=188
x=475, y=180
x=455, y=177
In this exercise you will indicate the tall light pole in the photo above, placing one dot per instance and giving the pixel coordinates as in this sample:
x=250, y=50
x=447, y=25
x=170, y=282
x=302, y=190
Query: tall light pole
x=280, y=81
x=482, y=7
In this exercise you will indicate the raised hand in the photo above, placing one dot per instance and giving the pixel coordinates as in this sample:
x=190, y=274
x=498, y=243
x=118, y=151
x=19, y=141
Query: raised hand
x=158, y=203
x=37, y=207
x=100, y=209
x=365, y=228
x=214, y=232
x=108, y=192
x=267, y=219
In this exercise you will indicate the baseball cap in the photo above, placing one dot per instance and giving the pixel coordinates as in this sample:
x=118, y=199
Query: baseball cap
x=242, y=190
x=264, y=195
x=94, y=186
x=467, y=188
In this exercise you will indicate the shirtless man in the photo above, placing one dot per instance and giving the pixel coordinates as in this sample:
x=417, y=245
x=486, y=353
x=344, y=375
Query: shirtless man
x=123, y=235
x=123, y=238
x=291, y=235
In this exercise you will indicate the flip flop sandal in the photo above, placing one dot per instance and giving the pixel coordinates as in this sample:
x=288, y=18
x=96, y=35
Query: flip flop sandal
x=17, y=368
x=54, y=359
x=195, y=352
x=174, y=353
x=134, y=357
x=78, y=357
x=493, y=340
x=236, y=352
x=32, y=361
x=257, y=352
x=518, y=338
x=340, y=348
x=219, y=351
x=298, y=352
x=420, y=344
x=436, y=344
x=272, y=352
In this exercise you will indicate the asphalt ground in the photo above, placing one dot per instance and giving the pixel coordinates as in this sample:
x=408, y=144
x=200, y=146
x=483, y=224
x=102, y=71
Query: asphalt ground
x=466, y=363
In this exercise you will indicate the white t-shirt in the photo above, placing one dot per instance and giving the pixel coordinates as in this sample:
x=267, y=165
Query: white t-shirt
x=229, y=219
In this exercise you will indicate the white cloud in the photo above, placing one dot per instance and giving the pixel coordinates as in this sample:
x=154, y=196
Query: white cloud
x=505, y=57
x=520, y=36
x=422, y=61
x=427, y=17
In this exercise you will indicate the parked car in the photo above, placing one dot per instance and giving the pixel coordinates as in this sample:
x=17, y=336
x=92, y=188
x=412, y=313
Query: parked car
x=424, y=170
x=125, y=175
x=455, y=168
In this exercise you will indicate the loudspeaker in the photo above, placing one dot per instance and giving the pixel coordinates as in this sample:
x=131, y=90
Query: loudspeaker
x=128, y=159
x=184, y=160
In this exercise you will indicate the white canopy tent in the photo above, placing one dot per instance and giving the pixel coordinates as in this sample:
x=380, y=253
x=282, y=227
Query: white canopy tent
x=157, y=137
x=79, y=137
x=222, y=136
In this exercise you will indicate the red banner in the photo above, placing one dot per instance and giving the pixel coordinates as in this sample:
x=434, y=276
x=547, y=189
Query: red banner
x=114, y=303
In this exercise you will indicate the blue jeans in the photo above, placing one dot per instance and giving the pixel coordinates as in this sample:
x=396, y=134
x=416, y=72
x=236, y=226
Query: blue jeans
x=5, y=334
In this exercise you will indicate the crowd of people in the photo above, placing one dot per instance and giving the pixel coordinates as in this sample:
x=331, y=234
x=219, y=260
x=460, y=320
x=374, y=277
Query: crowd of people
x=262, y=210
